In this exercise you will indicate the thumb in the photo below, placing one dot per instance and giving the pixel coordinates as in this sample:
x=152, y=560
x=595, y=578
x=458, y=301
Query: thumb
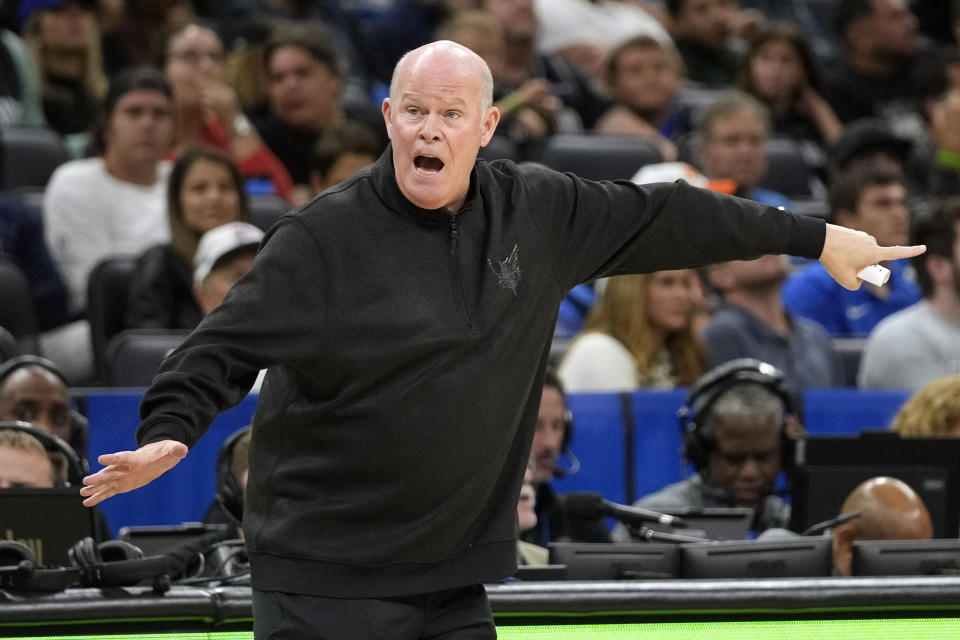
x=176, y=449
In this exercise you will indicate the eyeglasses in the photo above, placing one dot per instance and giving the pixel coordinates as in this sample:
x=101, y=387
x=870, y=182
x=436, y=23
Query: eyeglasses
x=195, y=57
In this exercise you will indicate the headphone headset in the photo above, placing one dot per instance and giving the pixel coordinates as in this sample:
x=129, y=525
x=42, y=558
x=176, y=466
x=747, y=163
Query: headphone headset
x=79, y=426
x=76, y=466
x=115, y=563
x=695, y=412
x=229, y=491
x=19, y=570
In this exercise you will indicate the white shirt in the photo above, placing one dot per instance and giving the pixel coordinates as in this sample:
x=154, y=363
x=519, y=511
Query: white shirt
x=89, y=215
x=564, y=23
x=596, y=362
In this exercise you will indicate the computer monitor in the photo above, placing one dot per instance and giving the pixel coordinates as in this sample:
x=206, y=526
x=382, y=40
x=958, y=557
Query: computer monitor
x=713, y=523
x=827, y=468
x=48, y=521
x=906, y=557
x=787, y=558
x=616, y=560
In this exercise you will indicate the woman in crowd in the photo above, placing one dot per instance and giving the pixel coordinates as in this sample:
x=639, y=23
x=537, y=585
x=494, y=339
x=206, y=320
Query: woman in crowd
x=641, y=333
x=932, y=412
x=780, y=71
x=205, y=191
x=208, y=110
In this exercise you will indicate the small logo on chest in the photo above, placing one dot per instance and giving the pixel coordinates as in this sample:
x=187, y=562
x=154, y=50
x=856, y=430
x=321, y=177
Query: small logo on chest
x=508, y=271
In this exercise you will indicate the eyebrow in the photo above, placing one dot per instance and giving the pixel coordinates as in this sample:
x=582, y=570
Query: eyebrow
x=455, y=103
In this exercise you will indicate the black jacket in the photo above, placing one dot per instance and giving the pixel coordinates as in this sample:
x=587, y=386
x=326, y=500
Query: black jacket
x=160, y=295
x=406, y=352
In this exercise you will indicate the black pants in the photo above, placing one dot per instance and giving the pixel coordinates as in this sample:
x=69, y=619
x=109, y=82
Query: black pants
x=454, y=614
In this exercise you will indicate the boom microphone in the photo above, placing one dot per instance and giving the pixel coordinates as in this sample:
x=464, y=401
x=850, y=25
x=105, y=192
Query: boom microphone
x=586, y=504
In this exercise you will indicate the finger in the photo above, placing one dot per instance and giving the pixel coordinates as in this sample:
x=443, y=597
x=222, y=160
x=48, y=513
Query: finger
x=898, y=253
x=118, y=458
x=99, y=496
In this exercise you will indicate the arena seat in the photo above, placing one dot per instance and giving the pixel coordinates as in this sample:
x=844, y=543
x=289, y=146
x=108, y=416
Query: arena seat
x=29, y=156
x=597, y=157
x=106, y=305
x=134, y=355
x=17, y=314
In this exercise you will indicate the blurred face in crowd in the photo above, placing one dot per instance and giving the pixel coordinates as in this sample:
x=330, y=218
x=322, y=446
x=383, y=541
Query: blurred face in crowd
x=345, y=166
x=894, y=28
x=224, y=275
x=304, y=92
x=209, y=196
x=66, y=27
x=518, y=17
x=881, y=212
x=24, y=468
x=489, y=44
x=734, y=148
x=437, y=120
x=33, y=394
x=194, y=61
x=548, y=437
x=140, y=128
x=671, y=297
x=745, y=457
x=776, y=71
x=706, y=21
x=526, y=516
x=645, y=80
x=760, y=274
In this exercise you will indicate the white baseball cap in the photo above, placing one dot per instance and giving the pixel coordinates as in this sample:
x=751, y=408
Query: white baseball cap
x=218, y=242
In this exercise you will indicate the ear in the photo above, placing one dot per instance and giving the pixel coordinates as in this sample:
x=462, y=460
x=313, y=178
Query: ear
x=843, y=537
x=387, y=112
x=490, y=122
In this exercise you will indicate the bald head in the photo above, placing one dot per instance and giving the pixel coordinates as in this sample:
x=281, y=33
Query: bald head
x=889, y=510
x=439, y=55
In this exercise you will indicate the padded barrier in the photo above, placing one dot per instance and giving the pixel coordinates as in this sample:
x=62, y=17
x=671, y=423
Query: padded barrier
x=600, y=440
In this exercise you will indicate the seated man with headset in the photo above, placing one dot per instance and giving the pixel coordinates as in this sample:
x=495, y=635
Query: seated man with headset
x=735, y=434
x=551, y=442
x=34, y=390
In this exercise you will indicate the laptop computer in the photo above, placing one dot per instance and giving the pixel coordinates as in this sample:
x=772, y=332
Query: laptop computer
x=48, y=521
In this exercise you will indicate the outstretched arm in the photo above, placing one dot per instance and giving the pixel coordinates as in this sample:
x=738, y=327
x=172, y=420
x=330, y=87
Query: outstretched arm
x=129, y=470
x=846, y=252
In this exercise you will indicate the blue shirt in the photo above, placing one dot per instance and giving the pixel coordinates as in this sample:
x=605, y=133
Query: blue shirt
x=812, y=293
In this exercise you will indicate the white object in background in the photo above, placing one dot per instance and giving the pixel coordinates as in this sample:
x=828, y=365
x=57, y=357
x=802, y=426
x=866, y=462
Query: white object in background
x=875, y=274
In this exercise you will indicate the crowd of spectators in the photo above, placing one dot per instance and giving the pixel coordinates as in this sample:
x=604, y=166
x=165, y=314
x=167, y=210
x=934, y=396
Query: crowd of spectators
x=181, y=117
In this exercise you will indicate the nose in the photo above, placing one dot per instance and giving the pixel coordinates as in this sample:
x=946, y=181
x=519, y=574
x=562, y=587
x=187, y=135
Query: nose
x=750, y=469
x=430, y=128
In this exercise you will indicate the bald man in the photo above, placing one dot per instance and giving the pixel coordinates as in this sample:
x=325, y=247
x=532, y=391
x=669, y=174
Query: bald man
x=405, y=318
x=889, y=510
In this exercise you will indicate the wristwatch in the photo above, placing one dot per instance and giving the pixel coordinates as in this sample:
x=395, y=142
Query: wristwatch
x=242, y=126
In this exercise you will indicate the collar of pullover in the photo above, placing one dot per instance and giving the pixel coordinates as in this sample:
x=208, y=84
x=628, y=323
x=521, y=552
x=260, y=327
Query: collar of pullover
x=385, y=183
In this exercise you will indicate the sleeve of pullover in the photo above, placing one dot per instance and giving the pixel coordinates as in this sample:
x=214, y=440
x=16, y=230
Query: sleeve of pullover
x=611, y=228
x=266, y=319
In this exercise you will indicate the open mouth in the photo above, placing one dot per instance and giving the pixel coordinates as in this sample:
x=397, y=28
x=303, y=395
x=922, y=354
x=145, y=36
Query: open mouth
x=426, y=164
